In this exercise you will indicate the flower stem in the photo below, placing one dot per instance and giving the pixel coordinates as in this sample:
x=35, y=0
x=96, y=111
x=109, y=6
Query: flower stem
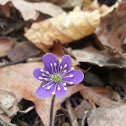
x=51, y=110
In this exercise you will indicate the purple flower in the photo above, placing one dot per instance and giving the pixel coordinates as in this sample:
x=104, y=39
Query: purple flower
x=56, y=75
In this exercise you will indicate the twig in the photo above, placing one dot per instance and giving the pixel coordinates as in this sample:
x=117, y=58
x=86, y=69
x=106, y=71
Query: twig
x=84, y=118
x=3, y=122
x=27, y=110
x=71, y=113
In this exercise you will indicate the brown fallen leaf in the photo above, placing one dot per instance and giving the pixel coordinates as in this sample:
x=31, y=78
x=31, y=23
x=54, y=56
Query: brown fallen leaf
x=5, y=44
x=80, y=109
x=112, y=31
x=101, y=96
x=30, y=10
x=101, y=58
x=58, y=51
x=112, y=115
x=66, y=27
x=19, y=80
x=21, y=51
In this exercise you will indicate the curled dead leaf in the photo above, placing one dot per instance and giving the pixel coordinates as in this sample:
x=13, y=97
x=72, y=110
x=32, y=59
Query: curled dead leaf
x=103, y=9
x=66, y=27
x=112, y=31
x=101, y=58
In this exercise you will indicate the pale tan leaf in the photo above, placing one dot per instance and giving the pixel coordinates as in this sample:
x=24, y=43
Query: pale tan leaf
x=19, y=80
x=30, y=10
x=112, y=115
x=103, y=9
x=66, y=27
x=63, y=3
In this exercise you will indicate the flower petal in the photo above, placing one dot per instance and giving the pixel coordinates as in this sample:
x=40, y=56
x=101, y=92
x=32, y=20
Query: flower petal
x=66, y=59
x=77, y=77
x=42, y=92
x=61, y=93
x=38, y=74
x=49, y=58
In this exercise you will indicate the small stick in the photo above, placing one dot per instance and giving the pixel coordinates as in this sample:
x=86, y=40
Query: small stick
x=84, y=118
x=71, y=113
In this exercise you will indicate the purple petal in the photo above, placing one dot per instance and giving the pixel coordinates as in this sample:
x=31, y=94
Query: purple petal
x=61, y=93
x=49, y=58
x=37, y=73
x=77, y=77
x=66, y=59
x=41, y=92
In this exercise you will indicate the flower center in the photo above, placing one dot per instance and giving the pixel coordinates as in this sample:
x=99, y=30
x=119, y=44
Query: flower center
x=56, y=78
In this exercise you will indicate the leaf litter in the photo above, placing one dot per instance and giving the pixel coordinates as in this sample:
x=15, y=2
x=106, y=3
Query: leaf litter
x=98, y=102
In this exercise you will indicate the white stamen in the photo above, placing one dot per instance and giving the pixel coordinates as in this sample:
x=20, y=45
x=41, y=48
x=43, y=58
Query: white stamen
x=53, y=93
x=43, y=85
x=60, y=61
x=65, y=66
x=51, y=64
x=71, y=82
x=46, y=79
x=47, y=72
x=61, y=67
x=55, y=64
x=48, y=87
x=72, y=68
x=58, y=88
x=54, y=90
x=64, y=71
x=41, y=70
x=65, y=88
x=71, y=75
x=43, y=74
x=64, y=84
x=40, y=78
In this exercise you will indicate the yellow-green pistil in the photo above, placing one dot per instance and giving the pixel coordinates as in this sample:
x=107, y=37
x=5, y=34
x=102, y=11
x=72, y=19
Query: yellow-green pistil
x=56, y=78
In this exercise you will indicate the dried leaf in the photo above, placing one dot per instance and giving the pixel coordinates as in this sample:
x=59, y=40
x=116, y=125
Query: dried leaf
x=5, y=44
x=63, y=3
x=65, y=28
x=19, y=80
x=103, y=9
x=7, y=101
x=112, y=115
x=112, y=31
x=30, y=10
x=80, y=109
x=101, y=58
x=21, y=51
x=58, y=51
x=99, y=95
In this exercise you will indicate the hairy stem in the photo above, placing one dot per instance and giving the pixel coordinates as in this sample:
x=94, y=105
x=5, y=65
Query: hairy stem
x=51, y=110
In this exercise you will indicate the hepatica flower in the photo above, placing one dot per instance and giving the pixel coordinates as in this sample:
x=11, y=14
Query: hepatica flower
x=56, y=76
